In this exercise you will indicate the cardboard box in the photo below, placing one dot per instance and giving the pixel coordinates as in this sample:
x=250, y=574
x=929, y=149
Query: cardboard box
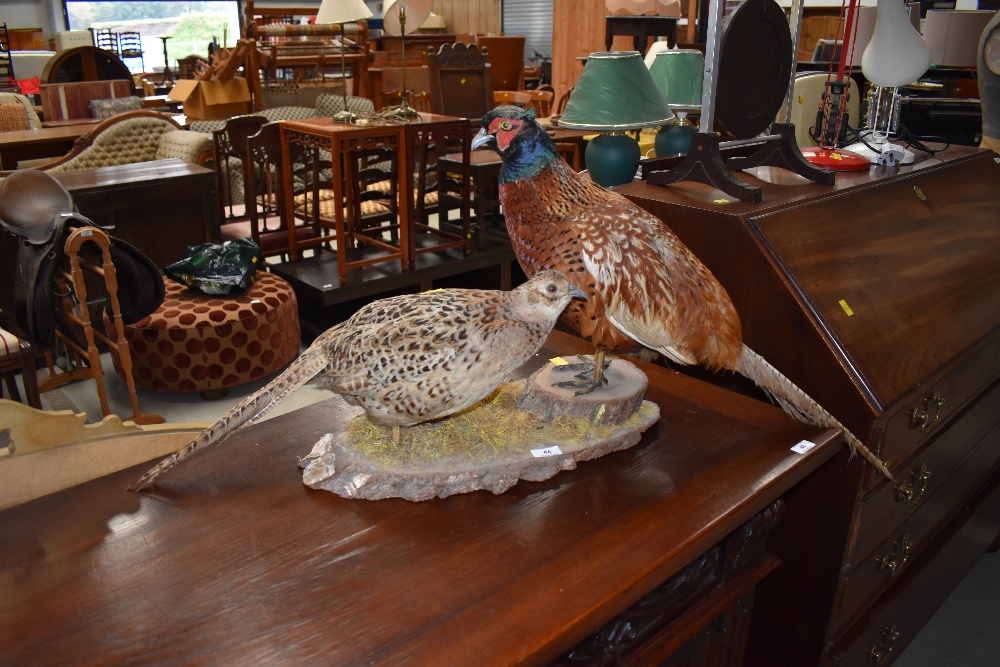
x=212, y=100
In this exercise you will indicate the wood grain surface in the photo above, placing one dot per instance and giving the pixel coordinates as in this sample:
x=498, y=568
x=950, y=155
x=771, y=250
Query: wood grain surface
x=231, y=559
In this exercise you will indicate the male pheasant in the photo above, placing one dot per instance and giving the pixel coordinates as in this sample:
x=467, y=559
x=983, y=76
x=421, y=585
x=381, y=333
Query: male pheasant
x=412, y=358
x=644, y=287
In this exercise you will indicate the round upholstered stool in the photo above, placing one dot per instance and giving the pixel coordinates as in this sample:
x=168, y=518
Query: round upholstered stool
x=196, y=342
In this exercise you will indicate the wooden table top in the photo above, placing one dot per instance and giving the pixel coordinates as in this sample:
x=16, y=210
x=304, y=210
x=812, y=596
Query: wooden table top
x=233, y=560
x=45, y=134
x=128, y=173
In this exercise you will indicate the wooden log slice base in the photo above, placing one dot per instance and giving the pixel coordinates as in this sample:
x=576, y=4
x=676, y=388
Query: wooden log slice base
x=337, y=464
x=613, y=403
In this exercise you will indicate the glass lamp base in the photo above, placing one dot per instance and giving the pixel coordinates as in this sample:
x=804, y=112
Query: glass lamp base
x=612, y=159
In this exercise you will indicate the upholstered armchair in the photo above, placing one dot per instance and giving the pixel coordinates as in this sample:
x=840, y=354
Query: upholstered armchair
x=17, y=113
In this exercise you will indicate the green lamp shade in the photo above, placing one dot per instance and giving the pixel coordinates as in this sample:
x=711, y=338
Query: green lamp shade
x=615, y=92
x=680, y=76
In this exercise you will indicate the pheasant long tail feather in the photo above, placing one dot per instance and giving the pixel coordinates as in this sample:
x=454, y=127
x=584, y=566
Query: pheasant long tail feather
x=797, y=404
x=252, y=408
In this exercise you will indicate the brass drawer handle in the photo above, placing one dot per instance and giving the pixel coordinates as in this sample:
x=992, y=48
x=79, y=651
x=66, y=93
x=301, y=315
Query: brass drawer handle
x=913, y=491
x=923, y=419
x=889, y=561
x=880, y=653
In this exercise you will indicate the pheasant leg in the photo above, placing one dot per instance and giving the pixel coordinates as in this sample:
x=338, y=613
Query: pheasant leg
x=591, y=375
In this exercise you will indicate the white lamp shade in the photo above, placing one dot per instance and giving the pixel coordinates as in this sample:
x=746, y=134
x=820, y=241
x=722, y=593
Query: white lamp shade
x=897, y=54
x=342, y=11
x=417, y=12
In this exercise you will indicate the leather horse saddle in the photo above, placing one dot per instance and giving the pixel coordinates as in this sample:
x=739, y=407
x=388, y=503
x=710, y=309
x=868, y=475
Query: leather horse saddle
x=37, y=208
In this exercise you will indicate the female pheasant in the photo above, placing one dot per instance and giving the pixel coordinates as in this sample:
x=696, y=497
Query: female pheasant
x=643, y=286
x=412, y=358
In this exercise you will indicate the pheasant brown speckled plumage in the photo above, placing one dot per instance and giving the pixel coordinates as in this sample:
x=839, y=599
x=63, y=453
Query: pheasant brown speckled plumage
x=644, y=287
x=412, y=358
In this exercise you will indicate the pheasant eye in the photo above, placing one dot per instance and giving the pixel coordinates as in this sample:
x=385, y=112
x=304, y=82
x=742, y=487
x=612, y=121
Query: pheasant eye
x=551, y=288
x=505, y=125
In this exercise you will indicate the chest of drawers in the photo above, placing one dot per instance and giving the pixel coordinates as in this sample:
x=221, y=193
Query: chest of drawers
x=878, y=297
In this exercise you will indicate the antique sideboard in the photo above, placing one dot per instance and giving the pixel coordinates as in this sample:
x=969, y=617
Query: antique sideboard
x=879, y=296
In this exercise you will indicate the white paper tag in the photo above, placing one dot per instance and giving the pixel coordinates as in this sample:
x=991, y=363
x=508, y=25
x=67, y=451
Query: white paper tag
x=803, y=446
x=548, y=451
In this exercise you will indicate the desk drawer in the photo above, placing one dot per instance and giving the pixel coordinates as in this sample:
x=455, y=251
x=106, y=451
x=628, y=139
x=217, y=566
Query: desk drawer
x=873, y=574
x=880, y=636
x=918, y=419
x=918, y=480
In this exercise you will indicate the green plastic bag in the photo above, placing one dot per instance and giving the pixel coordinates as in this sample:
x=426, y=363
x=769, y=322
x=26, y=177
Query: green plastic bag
x=217, y=268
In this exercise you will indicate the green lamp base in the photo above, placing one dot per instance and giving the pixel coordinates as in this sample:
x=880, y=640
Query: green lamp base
x=612, y=159
x=674, y=139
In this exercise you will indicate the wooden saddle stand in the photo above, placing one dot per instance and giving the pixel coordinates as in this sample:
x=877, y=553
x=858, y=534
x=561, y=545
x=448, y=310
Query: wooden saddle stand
x=56, y=255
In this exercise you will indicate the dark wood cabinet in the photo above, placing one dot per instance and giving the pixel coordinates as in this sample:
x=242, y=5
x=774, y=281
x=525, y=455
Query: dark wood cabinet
x=160, y=207
x=879, y=296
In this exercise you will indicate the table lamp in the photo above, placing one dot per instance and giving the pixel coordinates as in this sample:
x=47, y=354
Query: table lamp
x=341, y=12
x=614, y=94
x=402, y=16
x=680, y=75
x=895, y=56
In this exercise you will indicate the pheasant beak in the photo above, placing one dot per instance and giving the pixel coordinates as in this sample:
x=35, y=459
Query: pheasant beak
x=482, y=138
x=577, y=293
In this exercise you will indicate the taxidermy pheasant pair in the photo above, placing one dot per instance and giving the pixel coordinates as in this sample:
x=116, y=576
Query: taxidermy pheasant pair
x=411, y=358
x=643, y=286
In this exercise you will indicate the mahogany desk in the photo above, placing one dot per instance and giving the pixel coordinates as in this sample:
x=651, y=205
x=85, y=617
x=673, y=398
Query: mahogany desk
x=232, y=560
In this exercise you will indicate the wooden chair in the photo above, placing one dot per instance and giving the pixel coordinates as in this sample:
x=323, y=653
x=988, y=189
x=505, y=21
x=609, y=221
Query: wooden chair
x=561, y=106
x=230, y=150
x=464, y=72
x=517, y=98
x=265, y=220
x=16, y=357
x=506, y=60
x=105, y=39
x=374, y=213
x=130, y=46
x=461, y=83
x=541, y=100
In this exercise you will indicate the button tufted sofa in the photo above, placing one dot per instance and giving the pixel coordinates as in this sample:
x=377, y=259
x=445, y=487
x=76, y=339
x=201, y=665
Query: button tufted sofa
x=128, y=138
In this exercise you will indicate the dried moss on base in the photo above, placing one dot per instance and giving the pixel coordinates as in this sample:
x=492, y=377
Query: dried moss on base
x=485, y=432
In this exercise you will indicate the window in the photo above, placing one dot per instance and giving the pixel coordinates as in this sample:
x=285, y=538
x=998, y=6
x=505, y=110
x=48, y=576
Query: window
x=191, y=26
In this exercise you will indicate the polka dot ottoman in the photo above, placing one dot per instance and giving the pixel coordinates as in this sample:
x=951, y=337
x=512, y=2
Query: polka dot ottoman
x=196, y=342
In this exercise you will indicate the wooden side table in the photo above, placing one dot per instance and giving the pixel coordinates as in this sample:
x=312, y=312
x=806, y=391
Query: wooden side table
x=411, y=138
x=341, y=140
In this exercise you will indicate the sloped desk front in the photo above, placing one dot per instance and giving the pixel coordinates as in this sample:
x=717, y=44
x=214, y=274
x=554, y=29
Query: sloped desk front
x=232, y=560
x=879, y=296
